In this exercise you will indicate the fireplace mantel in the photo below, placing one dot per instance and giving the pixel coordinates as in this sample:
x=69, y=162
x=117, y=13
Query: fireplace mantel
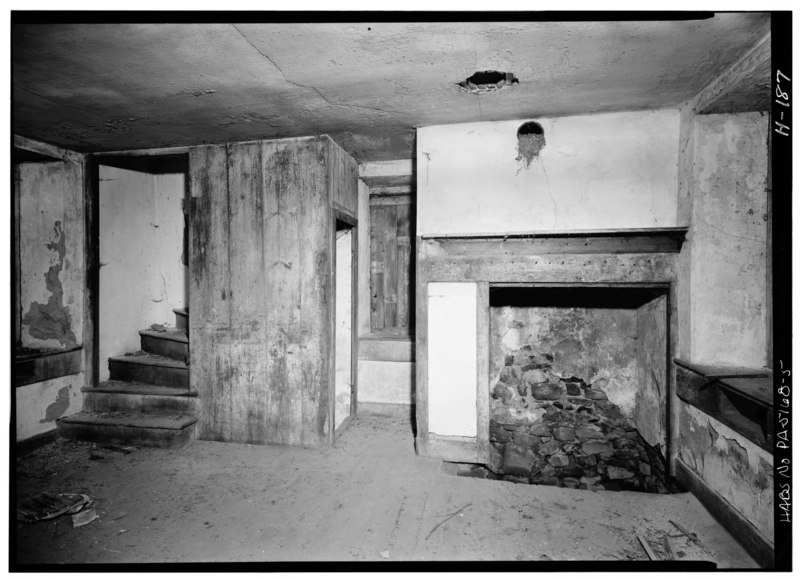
x=618, y=257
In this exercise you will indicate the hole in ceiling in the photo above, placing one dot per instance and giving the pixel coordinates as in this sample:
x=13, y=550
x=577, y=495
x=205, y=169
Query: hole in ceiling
x=530, y=140
x=488, y=81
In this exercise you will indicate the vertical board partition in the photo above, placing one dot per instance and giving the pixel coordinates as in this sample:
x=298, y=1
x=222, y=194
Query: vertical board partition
x=261, y=275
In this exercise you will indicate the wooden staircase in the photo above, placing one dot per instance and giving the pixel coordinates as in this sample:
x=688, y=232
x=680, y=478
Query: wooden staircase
x=147, y=401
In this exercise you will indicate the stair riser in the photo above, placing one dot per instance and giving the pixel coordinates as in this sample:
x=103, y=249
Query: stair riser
x=168, y=348
x=149, y=437
x=116, y=402
x=158, y=375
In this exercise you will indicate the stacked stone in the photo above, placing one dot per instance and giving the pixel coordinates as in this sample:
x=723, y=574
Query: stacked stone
x=554, y=430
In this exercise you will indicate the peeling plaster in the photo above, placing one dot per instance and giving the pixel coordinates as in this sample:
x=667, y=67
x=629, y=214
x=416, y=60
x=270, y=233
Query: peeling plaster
x=58, y=407
x=736, y=469
x=52, y=321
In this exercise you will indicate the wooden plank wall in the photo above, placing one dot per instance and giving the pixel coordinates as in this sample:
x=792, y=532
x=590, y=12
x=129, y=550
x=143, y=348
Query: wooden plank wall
x=342, y=179
x=298, y=283
x=259, y=295
x=391, y=274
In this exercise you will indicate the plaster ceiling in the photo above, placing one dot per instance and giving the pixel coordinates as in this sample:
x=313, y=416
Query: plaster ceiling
x=104, y=87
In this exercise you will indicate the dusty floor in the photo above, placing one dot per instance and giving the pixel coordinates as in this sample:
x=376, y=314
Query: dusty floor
x=368, y=498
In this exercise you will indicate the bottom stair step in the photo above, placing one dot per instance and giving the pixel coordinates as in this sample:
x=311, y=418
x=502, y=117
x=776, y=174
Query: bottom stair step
x=155, y=430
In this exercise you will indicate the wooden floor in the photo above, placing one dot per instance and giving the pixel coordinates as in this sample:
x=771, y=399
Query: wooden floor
x=368, y=498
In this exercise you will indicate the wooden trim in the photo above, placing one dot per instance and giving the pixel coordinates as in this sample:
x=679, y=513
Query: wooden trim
x=16, y=273
x=331, y=361
x=47, y=149
x=482, y=379
x=354, y=341
x=421, y=325
x=36, y=441
x=344, y=215
x=583, y=244
x=753, y=541
x=48, y=366
x=679, y=232
x=398, y=199
x=91, y=333
x=454, y=448
x=181, y=150
x=389, y=192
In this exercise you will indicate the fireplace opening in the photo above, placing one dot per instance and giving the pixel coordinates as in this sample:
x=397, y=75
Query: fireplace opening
x=578, y=387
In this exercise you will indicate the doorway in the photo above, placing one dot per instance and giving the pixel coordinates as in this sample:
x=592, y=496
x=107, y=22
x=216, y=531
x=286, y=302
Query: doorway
x=142, y=250
x=344, y=326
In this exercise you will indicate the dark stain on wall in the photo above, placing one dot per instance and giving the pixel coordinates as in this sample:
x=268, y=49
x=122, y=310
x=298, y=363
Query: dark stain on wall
x=52, y=321
x=58, y=407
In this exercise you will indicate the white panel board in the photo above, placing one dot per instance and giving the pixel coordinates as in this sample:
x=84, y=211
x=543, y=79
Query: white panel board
x=452, y=359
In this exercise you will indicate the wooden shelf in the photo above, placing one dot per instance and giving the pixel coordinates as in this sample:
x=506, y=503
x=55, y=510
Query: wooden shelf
x=740, y=398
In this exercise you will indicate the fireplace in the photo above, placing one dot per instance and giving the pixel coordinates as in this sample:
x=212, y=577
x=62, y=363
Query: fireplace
x=543, y=356
x=576, y=377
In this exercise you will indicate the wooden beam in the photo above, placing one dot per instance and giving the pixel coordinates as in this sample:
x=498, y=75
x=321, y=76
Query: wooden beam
x=47, y=149
x=388, y=173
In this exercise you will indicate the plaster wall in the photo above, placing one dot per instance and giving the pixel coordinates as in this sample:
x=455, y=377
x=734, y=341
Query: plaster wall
x=738, y=470
x=727, y=241
x=603, y=171
x=51, y=247
x=39, y=405
x=344, y=324
x=384, y=382
x=142, y=276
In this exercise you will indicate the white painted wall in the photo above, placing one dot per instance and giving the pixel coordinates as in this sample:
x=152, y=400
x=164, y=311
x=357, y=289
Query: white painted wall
x=727, y=241
x=142, y=277
x=40, y=404
x=383, y=382
x=344, y=325
x=605, y=171
x=452, y=359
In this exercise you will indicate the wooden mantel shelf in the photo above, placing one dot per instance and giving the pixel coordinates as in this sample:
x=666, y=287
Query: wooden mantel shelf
x=650, y=240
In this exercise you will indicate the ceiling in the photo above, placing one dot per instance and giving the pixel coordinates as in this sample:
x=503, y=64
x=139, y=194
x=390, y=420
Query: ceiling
x=107, y=87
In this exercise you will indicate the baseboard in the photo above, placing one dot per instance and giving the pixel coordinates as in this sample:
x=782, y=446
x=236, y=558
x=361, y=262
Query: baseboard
x=754, y=542
x=37, y=441
x=387, y=409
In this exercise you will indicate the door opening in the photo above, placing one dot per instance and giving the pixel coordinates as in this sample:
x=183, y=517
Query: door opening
x=345, y=299
x=143, y=255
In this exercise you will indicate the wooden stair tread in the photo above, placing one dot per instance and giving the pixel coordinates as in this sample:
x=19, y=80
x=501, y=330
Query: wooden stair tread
x=148, y=359
x=120, y=387
x=172, y=334
x=131, y=419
